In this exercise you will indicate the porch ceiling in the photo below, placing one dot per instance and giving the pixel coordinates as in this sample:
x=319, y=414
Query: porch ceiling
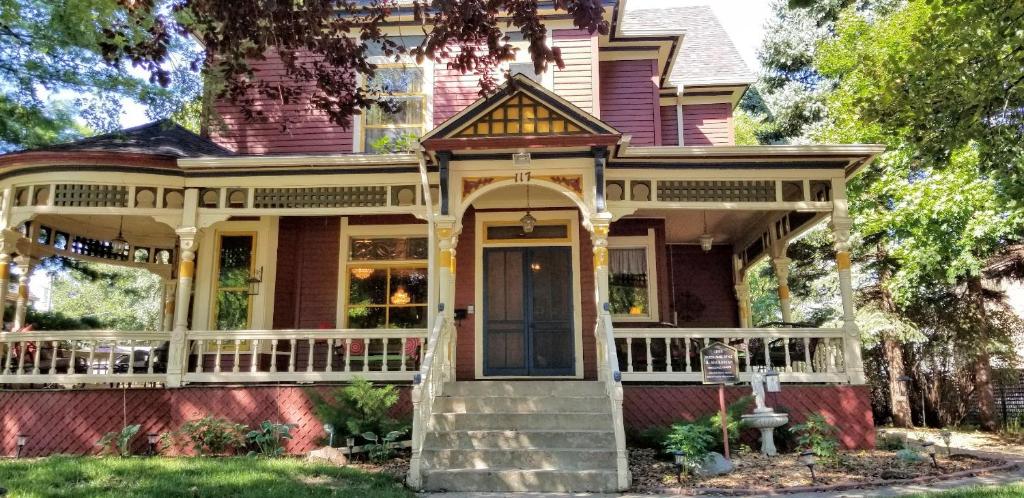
x=727, y=227
x=142, y=230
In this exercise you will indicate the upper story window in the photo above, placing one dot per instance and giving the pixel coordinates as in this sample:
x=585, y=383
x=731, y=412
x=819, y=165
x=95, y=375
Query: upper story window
x=397, y=123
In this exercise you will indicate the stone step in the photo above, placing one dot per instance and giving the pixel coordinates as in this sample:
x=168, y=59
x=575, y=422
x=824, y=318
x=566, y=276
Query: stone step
x=515, y=440
x=512, y=481
x=490, y=388
x=572, y=421
x=530, y=459
x=522, y=404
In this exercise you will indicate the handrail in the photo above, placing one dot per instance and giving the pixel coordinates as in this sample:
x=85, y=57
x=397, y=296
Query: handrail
x=428, y=384
x=611, y=359
x=612, y=378
x=82, y=335
x=303, y=334
x=623, y=332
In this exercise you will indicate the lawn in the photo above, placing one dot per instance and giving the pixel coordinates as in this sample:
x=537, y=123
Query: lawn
x=1007, y=491
x=73, y=477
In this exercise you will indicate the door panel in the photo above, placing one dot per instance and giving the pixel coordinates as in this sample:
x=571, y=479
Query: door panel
x=528, y=316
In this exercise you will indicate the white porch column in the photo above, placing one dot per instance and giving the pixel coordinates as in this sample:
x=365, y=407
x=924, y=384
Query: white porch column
x=25, y=266
x=600, y=224
x=781, y=266
x=447, y=239
x=177, y=354
x=841, y=225
x=167, y=320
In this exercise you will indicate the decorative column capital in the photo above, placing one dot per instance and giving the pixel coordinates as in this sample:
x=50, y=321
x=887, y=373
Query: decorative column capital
x=841, y=226
x=781, y=267
x=23, y=261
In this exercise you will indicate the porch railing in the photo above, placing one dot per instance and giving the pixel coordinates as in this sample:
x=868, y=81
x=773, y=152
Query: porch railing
x=673, y=354
x=609, y=372
x=428, y=386
x=82, y=356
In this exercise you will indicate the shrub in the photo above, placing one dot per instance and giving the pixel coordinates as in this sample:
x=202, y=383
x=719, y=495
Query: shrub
x=358, y=408
x=890, y=442
x=817, y=435
x=734, y=423
x=119, y=443
x=269, y=438
x=379, y=449
x=649, y=437
x=909, y=455
x=692, y=441
x=214, y=436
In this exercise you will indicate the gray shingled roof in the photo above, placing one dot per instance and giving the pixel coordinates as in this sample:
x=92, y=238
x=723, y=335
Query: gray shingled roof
x=164, y=138
x=707, y=57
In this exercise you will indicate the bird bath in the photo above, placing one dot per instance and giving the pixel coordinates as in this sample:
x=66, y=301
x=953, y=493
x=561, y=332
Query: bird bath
x=764, y=418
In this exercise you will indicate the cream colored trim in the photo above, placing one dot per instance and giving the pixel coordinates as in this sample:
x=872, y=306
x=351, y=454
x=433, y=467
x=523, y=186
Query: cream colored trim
x=512, y=217
x=852, y=151
x=628, y=55
x=301, y=160
x=349, y=231
x=646, y=242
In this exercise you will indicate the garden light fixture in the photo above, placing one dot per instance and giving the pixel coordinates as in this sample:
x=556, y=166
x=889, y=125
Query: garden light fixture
x=929, y=449
x=329, y=429
x=22, y=441
x=809, y=459
x=254, y=281
x=947, y=439
x=772, y=383
x=678, y=461
x=351, y=443
x=152, y=438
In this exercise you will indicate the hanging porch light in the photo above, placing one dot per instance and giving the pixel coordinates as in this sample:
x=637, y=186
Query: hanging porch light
x=528, y=221
x=118, y=245
x=705, y=238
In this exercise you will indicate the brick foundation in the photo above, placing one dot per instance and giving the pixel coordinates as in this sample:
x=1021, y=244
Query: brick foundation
x=71, y=422
x=846, y=407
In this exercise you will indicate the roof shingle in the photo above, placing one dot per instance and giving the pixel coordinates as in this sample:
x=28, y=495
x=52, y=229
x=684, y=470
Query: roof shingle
x=163, y=138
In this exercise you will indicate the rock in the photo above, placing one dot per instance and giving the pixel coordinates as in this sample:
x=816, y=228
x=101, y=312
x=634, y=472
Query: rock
x=715, y=465
x=330, y=455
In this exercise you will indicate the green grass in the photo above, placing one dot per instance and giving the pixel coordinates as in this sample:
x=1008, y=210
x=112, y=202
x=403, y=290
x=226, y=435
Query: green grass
x=74, y=477
x=1006, y=491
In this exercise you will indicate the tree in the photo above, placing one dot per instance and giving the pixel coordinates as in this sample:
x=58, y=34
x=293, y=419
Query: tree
x=935, y=217
x=325, y=45
x=54, y=77
x=113, y=297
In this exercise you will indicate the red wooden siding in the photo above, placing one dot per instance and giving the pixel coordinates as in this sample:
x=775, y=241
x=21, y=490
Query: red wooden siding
x=708, y=124
x=669, y=125
x=703, y=285
x=577, y=82
x=70, y=422
x=846, y=407
x=306, y=290
x=453, y=91
x=307, y=131
x=629, y=99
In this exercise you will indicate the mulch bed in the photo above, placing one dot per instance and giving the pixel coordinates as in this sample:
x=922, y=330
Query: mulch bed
x=781, y=473
x=397, y=467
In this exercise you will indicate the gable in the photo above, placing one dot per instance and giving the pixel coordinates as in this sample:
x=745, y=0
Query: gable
x=521, y=115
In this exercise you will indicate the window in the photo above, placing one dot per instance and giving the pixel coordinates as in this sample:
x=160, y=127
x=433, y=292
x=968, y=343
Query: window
x=632, y=279
x=235, y=264
x=400, y=119
x=387, y=283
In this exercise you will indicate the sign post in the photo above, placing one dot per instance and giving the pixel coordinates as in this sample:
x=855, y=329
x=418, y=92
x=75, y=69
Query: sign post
x=720, y=365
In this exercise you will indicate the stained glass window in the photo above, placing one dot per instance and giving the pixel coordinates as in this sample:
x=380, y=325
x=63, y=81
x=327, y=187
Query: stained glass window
x=521, y=115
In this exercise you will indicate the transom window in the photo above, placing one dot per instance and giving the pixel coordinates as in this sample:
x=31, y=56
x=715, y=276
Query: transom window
x=632, y=281
x=387, y=283
x=399, y=119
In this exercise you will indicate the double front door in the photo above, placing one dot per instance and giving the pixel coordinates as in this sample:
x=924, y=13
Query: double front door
x=528, y=314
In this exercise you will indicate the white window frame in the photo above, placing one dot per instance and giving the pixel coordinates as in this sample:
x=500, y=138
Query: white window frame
x=359, y=123
x=647, y=242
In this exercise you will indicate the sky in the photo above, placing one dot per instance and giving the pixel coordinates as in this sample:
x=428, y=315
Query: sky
x=744, y=20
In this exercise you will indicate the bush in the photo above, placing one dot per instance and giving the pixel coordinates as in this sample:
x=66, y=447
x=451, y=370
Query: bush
x=817, y=435
x=734, y=424
x=214, y=436
x=358, y=408
x=119, y=443
x=379, y=449
x=692, y=441
x=909, y=455
x=269, y=438
x=890, y=442
x=649, y=437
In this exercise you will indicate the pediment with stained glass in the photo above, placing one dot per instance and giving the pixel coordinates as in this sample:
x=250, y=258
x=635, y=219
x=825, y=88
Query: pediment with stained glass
x=521, y=115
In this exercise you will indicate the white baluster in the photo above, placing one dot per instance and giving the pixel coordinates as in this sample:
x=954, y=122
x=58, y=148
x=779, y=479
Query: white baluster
x=807, y=355
x=686, y=342
x=789, y=362
x=152, y=356
x=348, y=354
x=254, y=356
x=767, y=353
x=668, y=354
x=35, y=363
x=330, y=355
x=291, y=356
x=110, y=356
x=650, y=359
x=384, y=362
x=746, y=353
x=10, y=354
x=22, y=353
x=830, y=347
x=131, y=357
x=53, y=360
x=92, y=357
x=200, y=354
x=234, y=364
x=401, y=351
x=309, y=357
x=273, y=355
x=217, y=356
x=629, y=354
x=366, y=354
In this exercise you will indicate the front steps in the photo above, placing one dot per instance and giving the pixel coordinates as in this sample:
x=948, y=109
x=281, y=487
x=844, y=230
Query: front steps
x=519, y=436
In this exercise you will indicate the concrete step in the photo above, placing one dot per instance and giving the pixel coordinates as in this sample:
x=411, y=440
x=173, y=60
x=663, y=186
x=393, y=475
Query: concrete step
x=529, y=459
x=490, y=388
x=516, y=440
x=570, y=421
x=512, y=481
x=522, y=404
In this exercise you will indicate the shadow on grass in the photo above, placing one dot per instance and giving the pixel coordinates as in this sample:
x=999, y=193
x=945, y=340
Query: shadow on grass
x=74, y=477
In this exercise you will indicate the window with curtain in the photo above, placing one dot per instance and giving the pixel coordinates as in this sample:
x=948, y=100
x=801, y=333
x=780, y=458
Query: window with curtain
x=387, y=283
x=400, y=119
x=629, y=285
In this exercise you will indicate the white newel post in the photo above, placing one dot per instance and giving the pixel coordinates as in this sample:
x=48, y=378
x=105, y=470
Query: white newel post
x=841, y=225
x=177, y=356
x=781, y=266
x=25, y=266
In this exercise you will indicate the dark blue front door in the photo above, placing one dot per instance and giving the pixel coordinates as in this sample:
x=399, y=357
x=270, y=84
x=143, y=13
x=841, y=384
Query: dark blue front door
x=528, y=325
